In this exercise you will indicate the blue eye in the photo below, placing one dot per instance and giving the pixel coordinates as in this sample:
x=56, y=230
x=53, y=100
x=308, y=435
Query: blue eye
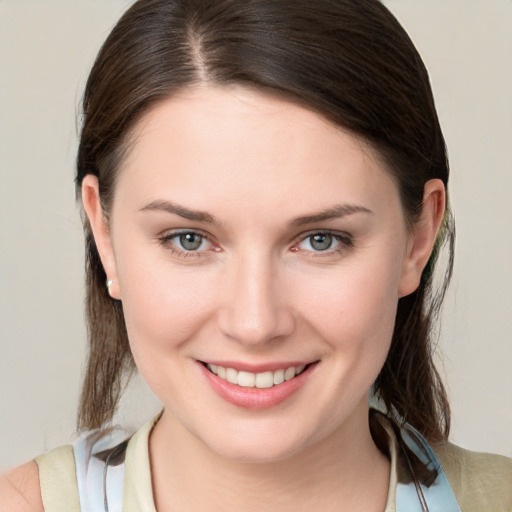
x=324, y=242
x=186, y=242
x=190, y=241
x=321, y=241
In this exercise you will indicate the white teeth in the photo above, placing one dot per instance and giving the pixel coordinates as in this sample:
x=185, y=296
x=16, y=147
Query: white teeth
x=232, y=376
x=278, y=377
x=246, y=379
x=264, y=380
x=261, y=380
x=289, y=373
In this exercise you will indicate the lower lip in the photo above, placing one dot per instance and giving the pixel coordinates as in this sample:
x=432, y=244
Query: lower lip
x=256, y=398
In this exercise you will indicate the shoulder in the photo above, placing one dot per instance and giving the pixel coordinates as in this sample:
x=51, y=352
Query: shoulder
x=46, y=483
x=481, y=481
x=58, y=483
x=20, y=490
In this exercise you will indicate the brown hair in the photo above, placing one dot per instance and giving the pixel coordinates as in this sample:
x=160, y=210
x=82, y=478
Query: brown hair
x=351, y=62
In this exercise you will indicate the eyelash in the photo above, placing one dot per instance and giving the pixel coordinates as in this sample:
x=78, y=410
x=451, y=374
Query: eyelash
x=168, y=242
x=345, y=243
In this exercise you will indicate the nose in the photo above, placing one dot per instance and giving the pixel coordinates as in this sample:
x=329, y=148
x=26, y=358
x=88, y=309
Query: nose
x=256, y=309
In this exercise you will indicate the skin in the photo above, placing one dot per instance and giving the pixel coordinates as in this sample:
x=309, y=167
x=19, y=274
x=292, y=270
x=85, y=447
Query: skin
x=258, y=292
x=20, y=490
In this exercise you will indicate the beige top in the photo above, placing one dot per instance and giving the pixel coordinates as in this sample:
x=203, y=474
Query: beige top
x=481, y=482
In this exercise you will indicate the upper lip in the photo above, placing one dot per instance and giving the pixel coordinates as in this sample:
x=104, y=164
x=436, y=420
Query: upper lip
x=259, y=368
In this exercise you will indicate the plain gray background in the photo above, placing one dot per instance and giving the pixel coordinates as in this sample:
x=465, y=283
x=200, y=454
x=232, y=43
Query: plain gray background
x=46, y=50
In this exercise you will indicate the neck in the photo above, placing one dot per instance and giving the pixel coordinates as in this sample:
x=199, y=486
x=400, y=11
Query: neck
x=345, y=470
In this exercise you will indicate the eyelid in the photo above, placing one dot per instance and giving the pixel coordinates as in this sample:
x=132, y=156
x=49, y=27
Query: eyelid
x=332, y=232
x=169, y=233
x=166, y=240
x=346, y=239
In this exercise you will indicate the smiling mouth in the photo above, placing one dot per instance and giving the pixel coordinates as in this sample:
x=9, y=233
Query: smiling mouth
x=262, y=380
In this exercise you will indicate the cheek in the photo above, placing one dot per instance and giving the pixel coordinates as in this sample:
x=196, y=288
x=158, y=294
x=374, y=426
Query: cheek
x=354, y=308
x=163, y=306
x=164, y=310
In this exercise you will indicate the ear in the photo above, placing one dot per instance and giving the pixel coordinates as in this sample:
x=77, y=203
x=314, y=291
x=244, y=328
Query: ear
x=100, y=231
x=423, y=236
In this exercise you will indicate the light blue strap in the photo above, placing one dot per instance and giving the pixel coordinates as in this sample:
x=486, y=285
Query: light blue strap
x=115, y=485
x=439, y=496
x=90, y=472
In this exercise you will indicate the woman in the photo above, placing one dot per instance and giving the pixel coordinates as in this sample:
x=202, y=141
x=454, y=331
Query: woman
x=264, y=194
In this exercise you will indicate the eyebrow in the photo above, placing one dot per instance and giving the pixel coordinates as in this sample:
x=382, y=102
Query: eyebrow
x=176, y=209
x=336, y=212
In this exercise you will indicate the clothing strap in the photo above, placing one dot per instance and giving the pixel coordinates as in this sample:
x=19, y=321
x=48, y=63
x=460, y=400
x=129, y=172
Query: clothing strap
x=59, y=489
x=416, y=497
x=100, y=471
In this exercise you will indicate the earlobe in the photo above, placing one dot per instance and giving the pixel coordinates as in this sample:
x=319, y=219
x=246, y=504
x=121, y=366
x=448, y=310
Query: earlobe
x=100, y=231
x=423, y=236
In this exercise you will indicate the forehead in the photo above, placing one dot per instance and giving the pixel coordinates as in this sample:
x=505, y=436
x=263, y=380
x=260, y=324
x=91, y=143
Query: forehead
x=235, y=144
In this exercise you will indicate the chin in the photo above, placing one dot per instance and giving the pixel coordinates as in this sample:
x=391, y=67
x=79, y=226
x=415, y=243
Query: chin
x=251, y=453
x=253, y=445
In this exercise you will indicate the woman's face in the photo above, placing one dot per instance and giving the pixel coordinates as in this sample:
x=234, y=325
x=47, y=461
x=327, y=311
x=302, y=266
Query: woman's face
x=250, y=234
